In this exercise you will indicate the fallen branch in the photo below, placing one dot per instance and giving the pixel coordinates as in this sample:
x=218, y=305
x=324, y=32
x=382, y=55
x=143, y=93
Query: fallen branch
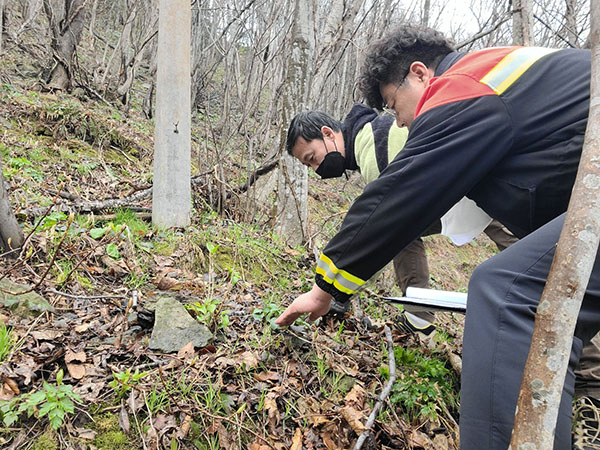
x=79, y=207
x=262, y=170
x=84, y=297
x=133, y=201
x=384, y=394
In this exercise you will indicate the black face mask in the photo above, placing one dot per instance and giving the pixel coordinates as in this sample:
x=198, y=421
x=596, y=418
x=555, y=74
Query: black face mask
x=333, y=164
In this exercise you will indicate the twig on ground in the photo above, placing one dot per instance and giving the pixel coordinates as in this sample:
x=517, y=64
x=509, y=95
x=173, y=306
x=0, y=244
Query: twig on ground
x=125, y=323
x=27, y=238
x=149, y=416
x=37, y=285
x=84, y=297
x=384, y=394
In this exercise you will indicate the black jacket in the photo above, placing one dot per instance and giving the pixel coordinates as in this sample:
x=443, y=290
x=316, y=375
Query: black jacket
x=503, y=126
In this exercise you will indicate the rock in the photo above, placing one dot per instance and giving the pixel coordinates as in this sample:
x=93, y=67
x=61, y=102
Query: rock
x=27, y=304
x=174, y=327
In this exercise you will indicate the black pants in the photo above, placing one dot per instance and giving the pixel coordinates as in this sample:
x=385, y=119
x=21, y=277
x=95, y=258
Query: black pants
x=503, y=296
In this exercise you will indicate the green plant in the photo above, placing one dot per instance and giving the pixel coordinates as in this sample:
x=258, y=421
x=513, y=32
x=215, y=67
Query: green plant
x=268, y=313
x=52, y=220
x=425, y=384
x=158, y=399
x=123, y=381
x=7, y=341
x=136, y=227
x=54, y=401
x=338, y=337
x=209, y=313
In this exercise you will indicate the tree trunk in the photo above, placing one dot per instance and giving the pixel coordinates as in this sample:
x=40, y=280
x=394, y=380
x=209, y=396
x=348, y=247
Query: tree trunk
x=1, y=23
x=522, y=22
x=556, y=317
x=66, y=24
x=171, y=195
x=11, y=236
x=570, y=26
x=292, y=203
x=426, y=10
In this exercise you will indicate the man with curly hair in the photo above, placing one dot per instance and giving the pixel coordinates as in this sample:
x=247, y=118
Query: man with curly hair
x=504, y=127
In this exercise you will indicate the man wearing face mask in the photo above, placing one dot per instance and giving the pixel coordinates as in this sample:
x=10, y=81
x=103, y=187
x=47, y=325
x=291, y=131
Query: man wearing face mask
x=367, y=142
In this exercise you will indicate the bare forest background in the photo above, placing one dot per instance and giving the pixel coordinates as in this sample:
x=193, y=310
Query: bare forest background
x=254, y=64
x=88, y=295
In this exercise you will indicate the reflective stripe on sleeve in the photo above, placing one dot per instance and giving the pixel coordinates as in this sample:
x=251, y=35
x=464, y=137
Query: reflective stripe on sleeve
x=342, y=280
x=512, y=66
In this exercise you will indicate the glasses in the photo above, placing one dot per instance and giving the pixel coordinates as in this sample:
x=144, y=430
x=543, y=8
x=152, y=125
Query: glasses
x=391, y=111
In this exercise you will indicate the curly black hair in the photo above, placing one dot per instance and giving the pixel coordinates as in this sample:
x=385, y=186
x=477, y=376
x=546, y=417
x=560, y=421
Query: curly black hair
x=388, y=59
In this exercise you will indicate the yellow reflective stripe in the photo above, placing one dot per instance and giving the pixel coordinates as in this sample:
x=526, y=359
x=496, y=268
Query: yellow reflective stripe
x=346, y=275
x=512, y=66
x=338, y=286
x=341, y=279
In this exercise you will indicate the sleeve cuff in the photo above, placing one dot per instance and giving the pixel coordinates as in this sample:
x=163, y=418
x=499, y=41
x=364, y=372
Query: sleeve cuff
x=338, y=296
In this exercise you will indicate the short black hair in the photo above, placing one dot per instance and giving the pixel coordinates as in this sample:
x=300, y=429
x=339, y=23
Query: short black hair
x=388, y=59
x=307, y=125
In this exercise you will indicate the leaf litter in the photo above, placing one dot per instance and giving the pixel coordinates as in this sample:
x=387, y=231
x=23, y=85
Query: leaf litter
x=255, y=386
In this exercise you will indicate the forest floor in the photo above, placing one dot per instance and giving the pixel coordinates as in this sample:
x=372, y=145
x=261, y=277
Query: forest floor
x=76, y=370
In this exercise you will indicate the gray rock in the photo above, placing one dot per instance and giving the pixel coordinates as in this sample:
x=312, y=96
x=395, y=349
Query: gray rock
x=174, y=327
x=27, y=304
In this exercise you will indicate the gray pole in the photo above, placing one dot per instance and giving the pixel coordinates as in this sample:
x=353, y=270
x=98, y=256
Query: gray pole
x=171, y=193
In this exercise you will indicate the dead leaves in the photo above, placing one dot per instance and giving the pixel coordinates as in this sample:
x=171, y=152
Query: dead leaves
x=247, y=360
x=272, y=410
x=354, y=418
x=8, y=389
x=74, y=362
x=297, y=440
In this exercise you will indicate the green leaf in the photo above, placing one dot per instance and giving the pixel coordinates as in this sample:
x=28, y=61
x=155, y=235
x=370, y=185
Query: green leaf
x=46, y=407
x=37, y=397
x=212, y=248
x=10, y=418
x=67, y=405
x=59, y=377
x=112, y=250
x=56, y=412
x=56, y=422
x=97, y=233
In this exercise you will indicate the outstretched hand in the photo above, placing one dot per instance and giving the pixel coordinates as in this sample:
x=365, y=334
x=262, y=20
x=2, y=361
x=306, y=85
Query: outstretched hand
x=316, y=302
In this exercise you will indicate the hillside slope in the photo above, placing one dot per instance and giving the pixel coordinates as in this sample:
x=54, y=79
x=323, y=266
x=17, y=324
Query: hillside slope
x=101, y=272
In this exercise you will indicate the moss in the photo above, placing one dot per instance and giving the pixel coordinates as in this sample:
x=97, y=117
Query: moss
x=109, y=434
x=46, y=441
x=112, y=440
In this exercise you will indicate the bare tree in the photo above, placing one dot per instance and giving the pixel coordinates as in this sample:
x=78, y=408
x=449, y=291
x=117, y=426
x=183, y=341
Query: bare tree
x=11, y=236
x=171, y=195
x=522, y=22
x=1, y=23
x=292, y=209
x=66, y=21
x=138, y=31
x=556, y=316
x=570, y=26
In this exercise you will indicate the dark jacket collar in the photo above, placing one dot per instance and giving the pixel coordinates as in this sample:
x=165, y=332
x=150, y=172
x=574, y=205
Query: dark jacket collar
x=356, y=119
x=449, y=60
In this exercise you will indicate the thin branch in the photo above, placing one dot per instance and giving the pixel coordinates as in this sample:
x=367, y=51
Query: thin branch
x=482, y=33
x=84, y=297
x=384, y=394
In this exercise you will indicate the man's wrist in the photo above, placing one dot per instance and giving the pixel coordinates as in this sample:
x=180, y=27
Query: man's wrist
x=328, y=288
